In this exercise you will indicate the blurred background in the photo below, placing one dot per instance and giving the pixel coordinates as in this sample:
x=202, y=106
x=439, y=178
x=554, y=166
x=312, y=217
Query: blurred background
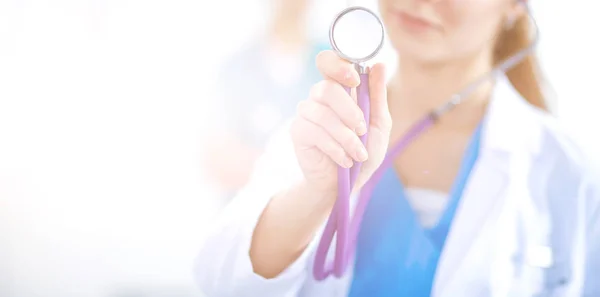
x=108, y=111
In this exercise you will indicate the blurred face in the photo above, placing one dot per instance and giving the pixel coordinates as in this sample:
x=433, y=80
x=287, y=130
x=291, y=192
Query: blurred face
x=442, y=30
x=290, y=7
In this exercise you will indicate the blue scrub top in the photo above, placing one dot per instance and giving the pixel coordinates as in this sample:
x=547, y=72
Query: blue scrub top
x=395, y=255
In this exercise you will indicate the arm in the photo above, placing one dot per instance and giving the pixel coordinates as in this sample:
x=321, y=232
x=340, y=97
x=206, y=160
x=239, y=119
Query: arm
x=286, y=227
x=244, y=255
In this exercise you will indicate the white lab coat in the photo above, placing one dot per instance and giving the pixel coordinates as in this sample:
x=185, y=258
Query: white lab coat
x=528, y=223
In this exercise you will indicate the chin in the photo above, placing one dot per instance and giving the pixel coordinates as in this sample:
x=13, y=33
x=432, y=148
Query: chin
x=412, y=50
x=423, y=48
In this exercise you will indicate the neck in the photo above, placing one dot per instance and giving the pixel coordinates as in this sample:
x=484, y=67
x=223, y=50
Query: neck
x=418, y=88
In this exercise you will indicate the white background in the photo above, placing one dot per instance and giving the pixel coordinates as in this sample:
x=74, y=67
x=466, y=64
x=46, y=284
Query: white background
x=101, y=108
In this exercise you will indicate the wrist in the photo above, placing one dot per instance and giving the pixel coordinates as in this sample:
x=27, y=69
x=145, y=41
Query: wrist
x=320, y=198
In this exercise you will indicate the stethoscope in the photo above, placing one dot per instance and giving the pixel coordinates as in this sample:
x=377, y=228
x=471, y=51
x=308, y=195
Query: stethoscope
x=339, y=222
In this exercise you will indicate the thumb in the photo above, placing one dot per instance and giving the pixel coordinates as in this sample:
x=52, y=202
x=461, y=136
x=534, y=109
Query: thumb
x=380, y=124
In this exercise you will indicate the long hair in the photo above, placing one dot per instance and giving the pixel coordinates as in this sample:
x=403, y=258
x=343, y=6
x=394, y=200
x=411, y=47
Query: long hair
x=525, y=76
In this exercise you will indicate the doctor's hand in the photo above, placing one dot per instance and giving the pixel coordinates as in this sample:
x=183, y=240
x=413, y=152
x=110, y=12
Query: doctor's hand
x=325, y=134
x=327, y=126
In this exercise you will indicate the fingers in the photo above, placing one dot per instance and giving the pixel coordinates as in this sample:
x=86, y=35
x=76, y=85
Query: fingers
x=380, y=113
x=331, y=94
x=308, y=134
x=330, y=119
x=334, y=68
x=324, y=117
x=337, y=69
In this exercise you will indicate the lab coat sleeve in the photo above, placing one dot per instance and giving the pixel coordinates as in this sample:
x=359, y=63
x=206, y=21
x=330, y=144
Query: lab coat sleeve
x=223, y=267
x=592, y=271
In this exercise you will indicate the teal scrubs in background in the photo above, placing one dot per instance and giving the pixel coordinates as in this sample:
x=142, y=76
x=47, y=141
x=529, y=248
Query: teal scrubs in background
x=251, y=104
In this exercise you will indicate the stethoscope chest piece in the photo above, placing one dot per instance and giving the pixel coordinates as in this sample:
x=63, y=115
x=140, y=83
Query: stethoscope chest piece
x=356, y=34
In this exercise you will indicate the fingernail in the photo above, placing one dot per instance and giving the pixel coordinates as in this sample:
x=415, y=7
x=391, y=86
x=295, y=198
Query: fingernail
x=348, y=162
x=348, y=75
x=361, y=153
x=351, y=74
x=361, y=129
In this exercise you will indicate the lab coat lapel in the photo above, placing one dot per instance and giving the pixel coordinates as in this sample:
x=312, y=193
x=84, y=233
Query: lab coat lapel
x=482, y=196
x=484, y=193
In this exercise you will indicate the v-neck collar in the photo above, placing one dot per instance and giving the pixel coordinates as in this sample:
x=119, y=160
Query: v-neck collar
x=394, y=247
x=438, y=232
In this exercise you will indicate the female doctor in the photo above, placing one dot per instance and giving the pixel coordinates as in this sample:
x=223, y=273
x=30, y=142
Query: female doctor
x=492, y=200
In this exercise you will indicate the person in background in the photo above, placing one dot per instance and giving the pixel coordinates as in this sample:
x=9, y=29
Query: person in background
x=258, y=88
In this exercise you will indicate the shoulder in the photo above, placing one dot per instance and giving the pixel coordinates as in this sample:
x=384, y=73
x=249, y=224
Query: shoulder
x=555, y=139
x=515, y=125
x=570, y=175
x=557, y=148
x=243, y=58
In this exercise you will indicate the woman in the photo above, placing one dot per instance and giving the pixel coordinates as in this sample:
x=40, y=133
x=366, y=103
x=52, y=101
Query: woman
x=524, y=214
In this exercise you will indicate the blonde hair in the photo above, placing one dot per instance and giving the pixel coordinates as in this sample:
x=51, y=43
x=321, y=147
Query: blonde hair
x=525, y=76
